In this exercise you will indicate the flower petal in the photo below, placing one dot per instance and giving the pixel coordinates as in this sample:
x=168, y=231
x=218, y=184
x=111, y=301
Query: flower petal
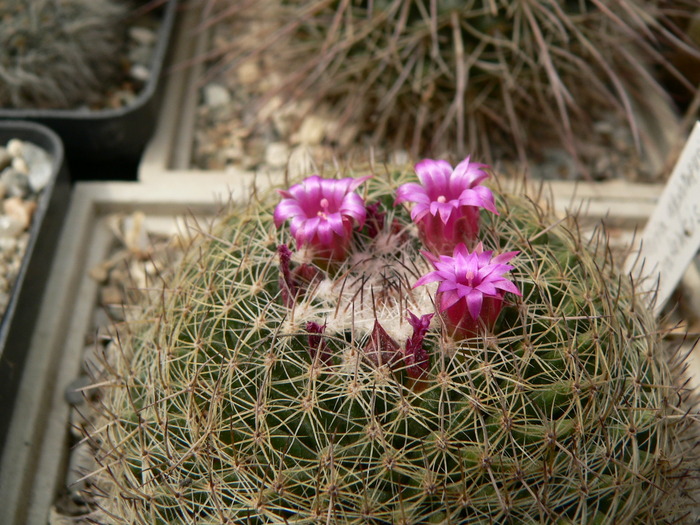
x=448, y=300
x=435, y=176
x=480, y=197
x=427, y=278
x=508, y=286
x=487, y=288
x=474, y=302
x=335, y=222
x=356, y=183
x=354, y=207
x=419, y=211
x=470, y=173
x=286, y=209
x=504, y=257
x=411, y=192
x=309, y=228
x=325, y=232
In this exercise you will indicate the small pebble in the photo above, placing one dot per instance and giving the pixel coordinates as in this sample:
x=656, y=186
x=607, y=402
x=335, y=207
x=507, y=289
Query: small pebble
x=40, y=166
x=312, y=130
x=142, y=35
x=14, y=147
x=80, y=464
x=19, y=164
x=16, y=183
x=99, y=272
x=248, y=73
x=7, y=245
x=216, y=95
x=277, y=154
x=140, y=73
x=10, y=227
x=20, y=210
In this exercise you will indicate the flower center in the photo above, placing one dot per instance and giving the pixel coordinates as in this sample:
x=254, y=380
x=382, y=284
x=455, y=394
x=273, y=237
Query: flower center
x=441, y=199
x=324, y=205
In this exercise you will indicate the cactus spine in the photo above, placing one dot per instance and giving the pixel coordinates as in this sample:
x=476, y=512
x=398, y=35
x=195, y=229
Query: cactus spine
x=226, y=406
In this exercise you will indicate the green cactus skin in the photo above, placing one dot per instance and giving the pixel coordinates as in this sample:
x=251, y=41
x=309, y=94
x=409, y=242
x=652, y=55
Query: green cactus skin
x=498, y=78
x=214, y=411
x=59, y=53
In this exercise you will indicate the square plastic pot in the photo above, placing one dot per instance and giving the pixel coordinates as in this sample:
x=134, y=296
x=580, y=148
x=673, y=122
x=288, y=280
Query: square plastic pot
x=108, y=143
x=19, y=319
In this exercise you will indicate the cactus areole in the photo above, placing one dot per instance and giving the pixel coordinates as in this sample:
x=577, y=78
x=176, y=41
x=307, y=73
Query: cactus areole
x=318, y=359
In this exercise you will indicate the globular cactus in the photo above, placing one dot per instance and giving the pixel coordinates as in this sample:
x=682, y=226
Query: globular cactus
x=501, y=78
x=59, y=53
x=272, y=383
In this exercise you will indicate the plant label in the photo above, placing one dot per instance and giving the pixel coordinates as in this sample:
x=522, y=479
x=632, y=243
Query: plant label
x=671, y=237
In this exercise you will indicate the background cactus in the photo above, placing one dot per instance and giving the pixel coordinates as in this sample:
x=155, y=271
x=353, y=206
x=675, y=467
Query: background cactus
x=59, y=54
x=499, y=78
x=228, y=404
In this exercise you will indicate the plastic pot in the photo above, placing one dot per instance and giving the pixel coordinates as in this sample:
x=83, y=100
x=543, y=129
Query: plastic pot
x=19, y=319
x=106, y=142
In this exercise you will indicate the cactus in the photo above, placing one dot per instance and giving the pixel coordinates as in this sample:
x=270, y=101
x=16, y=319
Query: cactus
x=496, y=78
x=59, y=54
x=264, y=385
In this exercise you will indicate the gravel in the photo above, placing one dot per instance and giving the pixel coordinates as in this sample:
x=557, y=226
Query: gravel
x=26, y=170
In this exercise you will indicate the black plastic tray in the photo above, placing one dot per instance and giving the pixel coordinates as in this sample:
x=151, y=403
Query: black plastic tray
x=101, y=139
x=18, y=321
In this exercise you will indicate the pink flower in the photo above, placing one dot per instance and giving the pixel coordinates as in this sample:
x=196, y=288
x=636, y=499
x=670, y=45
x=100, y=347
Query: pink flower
x=447, y=203
x=472, y=287
x=322, y=213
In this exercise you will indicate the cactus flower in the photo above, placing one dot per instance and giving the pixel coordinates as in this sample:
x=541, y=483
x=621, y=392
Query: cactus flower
x=447, y=202
x=417, y=358
x=294, y=283
x=472, y=287
x=286, y=281
x=381, y=349
x=317, y=343
x=322, y=213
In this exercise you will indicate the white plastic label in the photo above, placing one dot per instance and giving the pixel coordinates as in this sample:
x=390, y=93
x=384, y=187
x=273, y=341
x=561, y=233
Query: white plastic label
x=671, y=237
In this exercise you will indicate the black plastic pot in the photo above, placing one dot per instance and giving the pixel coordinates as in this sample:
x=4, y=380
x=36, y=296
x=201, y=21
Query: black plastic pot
x=107, y=142
x=18, y=321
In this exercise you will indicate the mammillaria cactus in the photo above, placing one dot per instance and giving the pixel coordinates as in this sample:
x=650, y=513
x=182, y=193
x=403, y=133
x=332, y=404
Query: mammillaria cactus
x=58, y=54
x=262, y=387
